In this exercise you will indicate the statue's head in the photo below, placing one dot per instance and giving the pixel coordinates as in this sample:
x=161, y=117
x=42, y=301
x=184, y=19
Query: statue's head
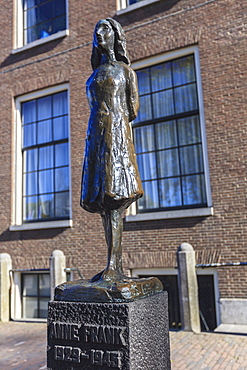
x=109, y=33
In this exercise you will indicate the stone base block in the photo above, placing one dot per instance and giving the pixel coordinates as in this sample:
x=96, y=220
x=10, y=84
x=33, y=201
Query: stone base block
x=109, y=336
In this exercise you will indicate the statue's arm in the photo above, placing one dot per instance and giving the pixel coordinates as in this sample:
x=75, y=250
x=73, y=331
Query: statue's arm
x=132, y=92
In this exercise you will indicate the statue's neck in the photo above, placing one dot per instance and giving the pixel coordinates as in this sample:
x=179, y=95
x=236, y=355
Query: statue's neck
x=108, y=57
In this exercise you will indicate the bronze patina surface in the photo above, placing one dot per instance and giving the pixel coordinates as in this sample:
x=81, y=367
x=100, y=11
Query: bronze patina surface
x=110, y=178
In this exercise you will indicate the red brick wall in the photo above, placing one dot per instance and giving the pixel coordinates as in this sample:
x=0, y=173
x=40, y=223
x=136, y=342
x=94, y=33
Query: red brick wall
x=218, y=28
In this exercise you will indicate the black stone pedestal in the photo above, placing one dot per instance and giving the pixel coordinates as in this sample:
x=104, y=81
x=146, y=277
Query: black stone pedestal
x=108, y=336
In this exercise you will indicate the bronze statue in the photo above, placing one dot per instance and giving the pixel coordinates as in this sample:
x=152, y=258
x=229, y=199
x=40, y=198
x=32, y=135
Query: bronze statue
x=110, y=178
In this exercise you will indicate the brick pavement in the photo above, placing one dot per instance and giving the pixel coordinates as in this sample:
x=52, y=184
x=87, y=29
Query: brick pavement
x=23, y=347
x=208, y=351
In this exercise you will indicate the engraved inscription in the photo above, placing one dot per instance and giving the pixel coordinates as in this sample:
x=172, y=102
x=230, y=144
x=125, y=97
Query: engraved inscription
x=64, y=331
x=88, y=333
x=107, y=358
x=103, y=334
x=66, y=353
x=96, y=357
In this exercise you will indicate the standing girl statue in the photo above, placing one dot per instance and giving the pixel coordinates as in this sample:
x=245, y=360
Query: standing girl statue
x=110, y=178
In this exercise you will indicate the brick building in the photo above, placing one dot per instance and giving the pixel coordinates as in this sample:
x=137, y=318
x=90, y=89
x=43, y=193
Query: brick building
x=190, y=137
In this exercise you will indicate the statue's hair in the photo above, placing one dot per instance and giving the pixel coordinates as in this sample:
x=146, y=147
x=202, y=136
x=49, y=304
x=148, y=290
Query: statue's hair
x=120, y=50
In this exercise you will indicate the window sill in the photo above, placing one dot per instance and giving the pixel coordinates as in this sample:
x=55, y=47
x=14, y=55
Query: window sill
x=42, y=225
x=135, y=6
x=35, y=43
x=33, y=320
x=195, y=212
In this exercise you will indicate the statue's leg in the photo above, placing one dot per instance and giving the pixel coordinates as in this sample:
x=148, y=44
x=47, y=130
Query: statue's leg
x=113, y=225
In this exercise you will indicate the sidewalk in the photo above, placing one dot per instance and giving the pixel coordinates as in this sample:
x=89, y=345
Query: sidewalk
x=23, y=347
x=208, y=351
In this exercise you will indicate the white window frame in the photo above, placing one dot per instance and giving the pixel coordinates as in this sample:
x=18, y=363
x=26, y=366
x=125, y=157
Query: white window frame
x=123, y=7
x=16, y=222
x=18, y=39
x=183, y=213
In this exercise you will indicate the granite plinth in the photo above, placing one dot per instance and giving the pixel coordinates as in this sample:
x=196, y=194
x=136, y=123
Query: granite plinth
x=107, y=336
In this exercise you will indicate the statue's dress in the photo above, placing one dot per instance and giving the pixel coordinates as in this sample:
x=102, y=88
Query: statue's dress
x=110, y=177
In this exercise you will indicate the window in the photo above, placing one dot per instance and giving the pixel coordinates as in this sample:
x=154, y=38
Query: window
x=35, y=295
x=130, y=2
x=128, y=5
x=169, y=137
x=38, y=19
x=42, y=158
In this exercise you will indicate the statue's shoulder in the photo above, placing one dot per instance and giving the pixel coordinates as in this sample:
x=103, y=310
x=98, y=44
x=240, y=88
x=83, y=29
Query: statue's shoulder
x=127, y=69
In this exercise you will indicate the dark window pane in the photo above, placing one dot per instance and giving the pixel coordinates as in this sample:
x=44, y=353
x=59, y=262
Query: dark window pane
x=46, y=158
x=30, y=208
x=46, y=206
x=30, y=307
x=62, y=207
x=29, y=3
x=170, y=193
x=145, y=111
x=44, y=285
x=194, y=190
x=30, y=284
x=166, y=134
x=161, y=77
x=143, y=81
x=46, y=181
x=183, y=71
x=29, y=112
x=144, y=139
x=133, y=1
x=41, y=1
x=60, y=128
x=60, y=7
x=163, y=104
x=59, y=24
x=43, y=307
x=30, y=185
x=151, y=197
x=44, y=108
x=29, y=135
x=30, y=160
x=60, y=104
x=30, y=18
x=147, y=166
x=44, y=12
x=61, y=155
x=191, y=159
x=168, y=163
x=62, y=179
x=31, y=34
x=185, y=98
x=44, y=131
x=189, y=130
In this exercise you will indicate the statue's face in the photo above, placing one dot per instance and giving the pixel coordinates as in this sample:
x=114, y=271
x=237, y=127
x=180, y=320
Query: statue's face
x=104, y=35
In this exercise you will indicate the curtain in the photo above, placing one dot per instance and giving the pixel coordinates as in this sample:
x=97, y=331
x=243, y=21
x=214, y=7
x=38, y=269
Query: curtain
x=30, y=17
